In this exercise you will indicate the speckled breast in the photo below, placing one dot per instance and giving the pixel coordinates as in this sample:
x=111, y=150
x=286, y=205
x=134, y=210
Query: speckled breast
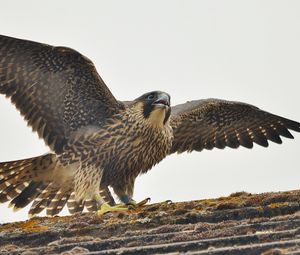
x=137, y=151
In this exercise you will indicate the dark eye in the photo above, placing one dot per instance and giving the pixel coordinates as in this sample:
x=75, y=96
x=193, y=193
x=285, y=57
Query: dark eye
x=150, y=97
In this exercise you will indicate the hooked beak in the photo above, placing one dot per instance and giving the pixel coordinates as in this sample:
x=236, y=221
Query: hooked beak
x=163, y=101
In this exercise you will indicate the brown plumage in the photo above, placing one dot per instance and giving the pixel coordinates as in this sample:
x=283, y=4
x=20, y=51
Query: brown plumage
x=97, y=141
x=214, y=123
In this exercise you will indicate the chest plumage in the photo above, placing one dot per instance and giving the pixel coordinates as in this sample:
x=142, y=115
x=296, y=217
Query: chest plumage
x=136, y=146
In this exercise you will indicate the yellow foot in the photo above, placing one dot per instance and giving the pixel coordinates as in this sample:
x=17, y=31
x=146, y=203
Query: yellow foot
x=121, y=207
x=108, y=208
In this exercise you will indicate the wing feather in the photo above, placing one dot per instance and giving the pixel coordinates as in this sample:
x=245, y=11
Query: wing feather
x=215, y=123
x=56, y=89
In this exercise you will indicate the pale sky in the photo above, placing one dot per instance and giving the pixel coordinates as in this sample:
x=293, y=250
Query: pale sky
x=236, y=50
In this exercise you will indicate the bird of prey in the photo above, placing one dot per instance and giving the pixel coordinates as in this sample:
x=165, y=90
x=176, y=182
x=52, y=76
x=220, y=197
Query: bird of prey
x=99, y=142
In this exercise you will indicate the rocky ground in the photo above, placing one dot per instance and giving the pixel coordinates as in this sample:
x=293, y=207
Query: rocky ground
x=242, y=223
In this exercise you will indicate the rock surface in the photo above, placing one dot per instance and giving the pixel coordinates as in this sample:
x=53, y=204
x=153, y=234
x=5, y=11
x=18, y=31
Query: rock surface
x=242, y=223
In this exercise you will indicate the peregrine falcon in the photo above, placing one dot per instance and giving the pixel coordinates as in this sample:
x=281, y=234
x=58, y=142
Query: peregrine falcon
x=99, y=142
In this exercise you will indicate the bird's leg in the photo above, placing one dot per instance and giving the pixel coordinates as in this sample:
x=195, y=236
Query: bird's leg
x=127, y=198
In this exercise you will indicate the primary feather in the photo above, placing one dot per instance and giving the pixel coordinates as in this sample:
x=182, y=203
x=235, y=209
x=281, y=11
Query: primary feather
x=56, y=89
x=215, y=123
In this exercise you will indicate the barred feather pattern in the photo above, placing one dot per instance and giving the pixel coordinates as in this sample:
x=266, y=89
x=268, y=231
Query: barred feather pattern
x=38, y=180
x=44, y=82
x=29, y=181
x=73, y=205
x=14, y=178
x=27, y=195
x=215, y=123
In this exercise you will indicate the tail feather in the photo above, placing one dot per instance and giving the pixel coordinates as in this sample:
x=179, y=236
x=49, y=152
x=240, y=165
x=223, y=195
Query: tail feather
x=7, y=168
x=58, y=202
x=15, y=176
x=91, y=205
x=41, y=202
x=14, y=179
x=4, y=197
x=36, y=180
x=16, y=172
x=4, y=183
x=47, y=184
x=38, y=206
x=27, y=195
x=62, y=203
x=12, y=191
x=73, y=205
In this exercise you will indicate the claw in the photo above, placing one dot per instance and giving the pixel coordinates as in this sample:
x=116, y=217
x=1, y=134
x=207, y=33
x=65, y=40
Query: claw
x=143, y=202
x=134, y=204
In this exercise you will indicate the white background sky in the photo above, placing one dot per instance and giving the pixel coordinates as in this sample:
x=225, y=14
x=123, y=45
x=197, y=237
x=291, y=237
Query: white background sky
x=236, y=50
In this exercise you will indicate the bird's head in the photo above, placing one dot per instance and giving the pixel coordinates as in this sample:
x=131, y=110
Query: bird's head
x=155, y=107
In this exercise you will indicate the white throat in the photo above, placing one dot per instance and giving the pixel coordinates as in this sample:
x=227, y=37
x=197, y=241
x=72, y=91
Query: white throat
x=157, y=117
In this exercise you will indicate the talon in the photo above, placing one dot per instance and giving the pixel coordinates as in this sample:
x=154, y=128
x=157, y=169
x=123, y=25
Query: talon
x=143, y=202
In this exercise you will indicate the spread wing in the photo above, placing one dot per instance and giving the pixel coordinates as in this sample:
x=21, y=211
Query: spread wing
x=57, y=89
x=209, y=123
